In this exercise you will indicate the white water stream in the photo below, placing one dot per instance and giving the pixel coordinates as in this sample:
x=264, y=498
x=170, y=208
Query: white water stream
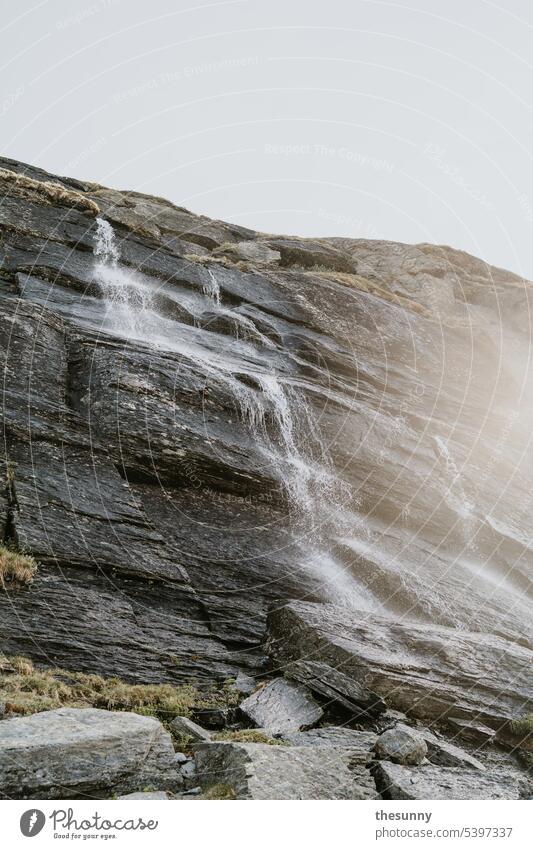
x=313, y=491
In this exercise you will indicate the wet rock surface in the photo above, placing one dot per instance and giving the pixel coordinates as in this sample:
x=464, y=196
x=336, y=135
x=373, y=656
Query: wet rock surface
x=428, y=671
x=281, y=707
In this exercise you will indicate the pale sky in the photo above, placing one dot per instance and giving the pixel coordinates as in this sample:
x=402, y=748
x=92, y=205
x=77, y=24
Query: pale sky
x=409, y=121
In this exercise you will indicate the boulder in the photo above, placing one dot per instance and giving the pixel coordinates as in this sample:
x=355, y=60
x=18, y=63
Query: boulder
x=281, y=707
x=339, y=689
x=258, y=771
x=433, y=782
x=402, y=745
x=71, y=753
x=182, y=726
x=429, y=671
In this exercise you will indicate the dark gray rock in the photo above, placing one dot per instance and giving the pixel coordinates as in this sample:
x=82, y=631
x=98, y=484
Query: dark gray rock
x=432, y=782
x=401, y=744
x=336, y=687
x=444, y=753
x=471, y=731
x=258, y=771
x=281, y=707
x=214, y=718
x=70, y=753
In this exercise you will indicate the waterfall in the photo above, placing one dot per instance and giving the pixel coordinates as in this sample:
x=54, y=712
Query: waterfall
x=106, y=249
x=276, y=415
x=455, y=494
x=212, y=288
x=128, y=298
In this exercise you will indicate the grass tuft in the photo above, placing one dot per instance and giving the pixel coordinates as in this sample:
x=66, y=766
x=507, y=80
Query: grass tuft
x=219, y=791
x=20, y=185
x=16, y=569
x=247, y=735
x=25, y=690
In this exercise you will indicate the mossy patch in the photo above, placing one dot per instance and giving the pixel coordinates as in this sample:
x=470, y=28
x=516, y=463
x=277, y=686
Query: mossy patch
x=522, y=727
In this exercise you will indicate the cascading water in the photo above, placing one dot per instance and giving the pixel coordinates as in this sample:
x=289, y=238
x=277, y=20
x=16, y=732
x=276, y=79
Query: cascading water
x=312, y=489
x=212, y=289
x=127, y=298
x=455, y=494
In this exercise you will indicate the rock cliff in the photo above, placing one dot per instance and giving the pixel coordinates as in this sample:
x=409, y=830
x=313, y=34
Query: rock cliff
x=202, y=423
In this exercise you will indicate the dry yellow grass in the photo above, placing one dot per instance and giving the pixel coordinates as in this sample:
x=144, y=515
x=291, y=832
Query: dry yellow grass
x=20, y=185
x=15, y=569
x=25, y=690
x=220, y=792
x=247, y=735
x=210, y=259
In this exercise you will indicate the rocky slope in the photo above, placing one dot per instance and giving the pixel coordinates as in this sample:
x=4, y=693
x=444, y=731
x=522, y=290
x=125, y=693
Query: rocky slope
x=202, y=423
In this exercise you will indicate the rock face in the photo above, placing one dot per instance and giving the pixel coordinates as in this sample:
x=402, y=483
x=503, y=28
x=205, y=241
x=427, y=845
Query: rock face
x=202, y=422
x=432, y=782
x=257, y=771
x=70, y=753
x=428, y=671
x=281, y=707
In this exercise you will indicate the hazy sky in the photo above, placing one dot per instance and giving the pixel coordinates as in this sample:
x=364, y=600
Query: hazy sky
x=409, y=121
